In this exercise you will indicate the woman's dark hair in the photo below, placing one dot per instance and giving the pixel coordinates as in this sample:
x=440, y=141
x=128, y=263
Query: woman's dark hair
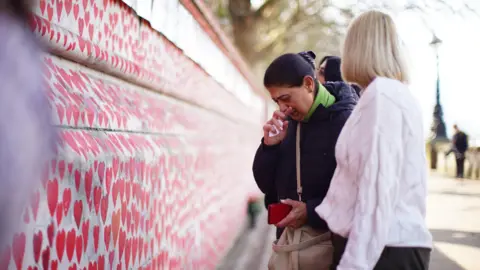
x=20, y=8
x=325, y=58
x=333, y=71
x=289, y=70
x=309, y=56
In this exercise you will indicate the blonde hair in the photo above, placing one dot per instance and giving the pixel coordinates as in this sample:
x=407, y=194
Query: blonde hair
x=373, y=49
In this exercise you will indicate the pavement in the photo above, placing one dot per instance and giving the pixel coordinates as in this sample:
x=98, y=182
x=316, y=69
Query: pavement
x=453, y=217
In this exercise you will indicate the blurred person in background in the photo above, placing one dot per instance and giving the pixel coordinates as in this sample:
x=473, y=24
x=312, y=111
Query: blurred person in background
x=329, y=71
x=27, y=138
x=459, y=148
x=376, y=204
x=322, y=111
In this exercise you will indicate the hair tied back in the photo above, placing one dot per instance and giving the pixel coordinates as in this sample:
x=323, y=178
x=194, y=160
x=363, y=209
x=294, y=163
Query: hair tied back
x=309, y=56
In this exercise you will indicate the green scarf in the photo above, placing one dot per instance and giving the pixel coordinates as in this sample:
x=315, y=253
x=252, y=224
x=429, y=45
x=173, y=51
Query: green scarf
x=323, y=97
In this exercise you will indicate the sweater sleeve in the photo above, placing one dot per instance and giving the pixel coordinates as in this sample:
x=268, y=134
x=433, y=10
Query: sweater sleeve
x=377, y=183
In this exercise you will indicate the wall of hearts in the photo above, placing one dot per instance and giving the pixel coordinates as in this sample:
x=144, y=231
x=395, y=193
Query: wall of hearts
x=154, y=168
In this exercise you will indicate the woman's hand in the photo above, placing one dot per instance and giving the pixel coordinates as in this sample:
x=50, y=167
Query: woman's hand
x=274, y=122
x=297, y=217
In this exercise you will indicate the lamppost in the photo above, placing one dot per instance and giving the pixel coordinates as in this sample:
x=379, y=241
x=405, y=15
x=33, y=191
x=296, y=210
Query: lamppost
x=439, y=132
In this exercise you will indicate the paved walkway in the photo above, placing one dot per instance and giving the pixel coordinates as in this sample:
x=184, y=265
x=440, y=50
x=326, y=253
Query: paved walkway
x=453, y=218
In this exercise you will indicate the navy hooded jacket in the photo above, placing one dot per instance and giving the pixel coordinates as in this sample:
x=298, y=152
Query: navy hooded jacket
x=274, y=167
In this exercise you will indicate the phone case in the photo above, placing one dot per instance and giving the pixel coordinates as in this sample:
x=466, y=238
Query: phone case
x=277, y=212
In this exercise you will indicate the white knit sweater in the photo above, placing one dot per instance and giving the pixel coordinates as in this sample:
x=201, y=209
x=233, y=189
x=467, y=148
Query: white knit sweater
x=377, y=197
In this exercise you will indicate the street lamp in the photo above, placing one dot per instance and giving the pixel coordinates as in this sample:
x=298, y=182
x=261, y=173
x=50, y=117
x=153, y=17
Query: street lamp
x=439, y=132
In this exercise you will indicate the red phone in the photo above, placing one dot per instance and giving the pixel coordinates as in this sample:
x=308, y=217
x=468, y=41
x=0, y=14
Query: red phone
x=277, y=212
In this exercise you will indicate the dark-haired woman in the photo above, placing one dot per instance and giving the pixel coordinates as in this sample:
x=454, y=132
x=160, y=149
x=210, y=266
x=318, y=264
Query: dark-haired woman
x=322, y=111
x=329, y=71
x=26, y=135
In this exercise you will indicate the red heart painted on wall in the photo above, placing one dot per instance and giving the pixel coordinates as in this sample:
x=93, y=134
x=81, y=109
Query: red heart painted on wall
x=50, y=12
x=89, y=49
x=87, y=17
x=111, y=256
x=72, y=267
x=115, y=162
x=91, y=116
x=54, y=265
x=97, y=196
x=128, y=249
x=121, y=242
x=46, y=258
x=108, y=179
x=32, y=268
x=68, y=6
x=124, y=212
x=77, y=179
x=18, y=249
x=128, y=219
x=81, y=25
x=92, y=265
x=52, y=195
x=140, y=248
x=61, y=168
x=60, y=243
x=115, y=192
x=37, y=245
x=128, y=187
x=43, y=5
x=50, y=233
x=59, y=213
x=104, y=208
x=115, y=226
x=70, y=168
x=85, y=230
x=77, y=212
x=101, y=171
x=106, y=236
x=67, y=200
x=59, y=9
x=79, y=248
x=76, y=115
x=101, y=262
x=134, y=249
x=76, y=10
x=88, y=184
x=96, y=233
x=71, y=239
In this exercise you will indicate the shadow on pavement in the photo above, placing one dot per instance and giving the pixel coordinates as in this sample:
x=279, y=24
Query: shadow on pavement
x=457, y=237
x=439, y=260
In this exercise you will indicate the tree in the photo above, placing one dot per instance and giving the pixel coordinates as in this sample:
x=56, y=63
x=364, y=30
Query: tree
x=264, y=29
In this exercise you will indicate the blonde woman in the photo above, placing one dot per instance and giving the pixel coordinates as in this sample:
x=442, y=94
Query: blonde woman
x=375, y=205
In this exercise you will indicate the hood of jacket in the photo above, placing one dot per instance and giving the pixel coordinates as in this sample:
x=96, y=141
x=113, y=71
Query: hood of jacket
x=345, y=95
